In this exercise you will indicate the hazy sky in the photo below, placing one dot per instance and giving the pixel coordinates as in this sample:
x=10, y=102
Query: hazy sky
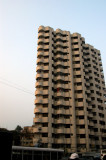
x=19, y=22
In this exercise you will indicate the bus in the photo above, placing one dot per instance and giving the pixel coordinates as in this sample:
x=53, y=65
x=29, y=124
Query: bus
x=34, y=153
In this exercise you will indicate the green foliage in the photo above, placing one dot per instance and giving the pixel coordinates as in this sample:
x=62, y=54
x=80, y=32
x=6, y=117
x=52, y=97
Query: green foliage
x=18, y=128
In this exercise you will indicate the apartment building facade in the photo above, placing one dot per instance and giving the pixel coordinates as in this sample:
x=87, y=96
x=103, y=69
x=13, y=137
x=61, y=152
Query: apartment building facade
x=70, y=109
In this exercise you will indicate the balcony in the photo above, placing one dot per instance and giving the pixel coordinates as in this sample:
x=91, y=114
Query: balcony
x=39, y=75
x=68, y=130
x=59, y=63
x=47, y=34
x=60, y=111
x=40, y=53
x=86, y=70
x=65, y=56
x=37, y=110
x=81, y=141
x=80, y=113
x=45, y=83
x=36, y=130
x=44, y=129
x=59, y=121
x=68, y=140
x=66, y=86
x=39, y=67
x=67, y=103
x=74, y=40
x=45, y=67
x=59, y=141
x=66, y=78
x=45, y=110
x=67, y=112
x=58, y=94
x=87, y=84
x=59, y=85
x=37, y=120
x=75, y=52
x=76, y=65
x=45, y=119
x=43, y=40
x=38, y=92
x=45, y=101
x=77, y=72
x=59, y=70
x=59, y=37
x=87, y=77
x=75, y=46
x=59, y=31
x=88, y=91
x=46, y=60
x=46, y=75
x=45, y=140
x=80, y=121
x=91, y=132
x=59, y=56
x=38, y=101
x=59, y=77
x=59, y=130
x=46, y=46
x=88, y=99
x=59, y=102
x=67, y=121
x=80, y=131
x=66, y=94
x=90, y=115
x=46, y=54
x=93, y=142
x=40, y=60
x=41, y=35
x=40, y=41
x=78, y=95
x=45, y=92
x=65, y=64
x=65, y=51
x=39, y=84
x=100, y=63
x=77, y=80
x=41, y=28
x=90, y=123
x=40, y=47
x=79, y=104
x=76, y=58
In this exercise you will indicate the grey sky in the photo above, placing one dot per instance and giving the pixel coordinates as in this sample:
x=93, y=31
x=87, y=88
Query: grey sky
x=19, y=22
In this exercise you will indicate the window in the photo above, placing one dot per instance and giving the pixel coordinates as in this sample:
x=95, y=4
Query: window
x=44, y=124
x=77, y=76
x=74, y=37
x=67, y=135
x=82, y=136
x=45, y=96
x=78, y=84
x=75, y=49
x=76, y=62
x=44, y=134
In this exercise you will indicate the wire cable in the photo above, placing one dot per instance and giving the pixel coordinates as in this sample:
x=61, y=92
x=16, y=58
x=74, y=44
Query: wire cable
x=16, y=87
x=10, y=82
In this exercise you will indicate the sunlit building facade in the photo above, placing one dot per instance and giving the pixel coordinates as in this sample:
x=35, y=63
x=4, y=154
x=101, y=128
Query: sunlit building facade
x=70, y=110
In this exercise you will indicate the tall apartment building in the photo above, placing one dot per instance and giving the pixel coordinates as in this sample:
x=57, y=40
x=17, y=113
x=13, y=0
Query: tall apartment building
x=70, y=109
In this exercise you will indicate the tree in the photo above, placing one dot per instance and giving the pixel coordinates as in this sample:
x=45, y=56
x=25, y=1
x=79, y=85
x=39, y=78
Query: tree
x=18, y=128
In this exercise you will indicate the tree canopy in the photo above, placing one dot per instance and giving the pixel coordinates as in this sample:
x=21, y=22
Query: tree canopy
x=18, y=128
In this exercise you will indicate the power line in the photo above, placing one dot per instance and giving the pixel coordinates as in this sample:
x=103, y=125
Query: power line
x=14, y=84
x=21, y=89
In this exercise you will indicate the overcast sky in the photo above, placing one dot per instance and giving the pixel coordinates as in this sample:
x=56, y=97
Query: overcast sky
x=19, y=22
